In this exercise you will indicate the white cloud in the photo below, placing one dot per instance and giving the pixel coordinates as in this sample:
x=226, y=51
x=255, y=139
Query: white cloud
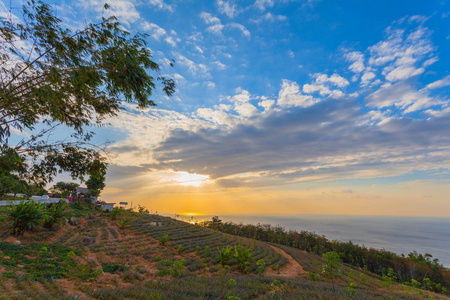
x=357, y=60
x=322, y=84
x=266, y=104
x=124, y=10
x=263, y=4
x=210, y=84
x=216, y=29
x=171, y=41
x=199, y=49
x=161, y=5
x=290, y=95
x=401, y=95
x=269, y=17
x=155, y=31
x=209, y=18
x=195, y=69
x=439, y=83
x=367, y=78
x=219, y=65
x=227, y=8
x=246, y=110
x=241, y=28
x=242, y=96
x=335, y=79
x=403, y=72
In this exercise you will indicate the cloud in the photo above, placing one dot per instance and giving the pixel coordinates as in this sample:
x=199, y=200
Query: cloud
x=402, y=95
x=263, y=4
x=160, y=4
x=227, y=8
x=209, y=18
x=241, y=28
x=439, y=83
x=320, y=142
x=124, y=10
x=156, y=32
x=269, y=17
x=195, y=69
x=357, y=60
x=290, y=95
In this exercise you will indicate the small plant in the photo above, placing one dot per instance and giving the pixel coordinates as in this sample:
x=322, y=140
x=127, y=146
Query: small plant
x=313, y=276
x=362, y=277
x=163, y=240
x=261, y=267
x=56, y=214
x=24, y=216
x=123, y=222
x=198, y=250
x=389, y=278
x=114, y=213
x=180, y=249
x=225, y=254
x=243, y=257
x=207, y=251
x=177, y=268
x=231, y=283
x=276, y=283
x=351, y=289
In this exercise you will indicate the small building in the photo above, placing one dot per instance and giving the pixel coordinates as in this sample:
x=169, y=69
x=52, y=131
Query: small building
x=107, y=206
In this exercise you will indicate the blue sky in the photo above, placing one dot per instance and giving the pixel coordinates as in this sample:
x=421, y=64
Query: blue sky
x=286, y=106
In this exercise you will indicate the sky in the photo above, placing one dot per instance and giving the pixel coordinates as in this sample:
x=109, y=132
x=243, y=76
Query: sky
x=284, y=106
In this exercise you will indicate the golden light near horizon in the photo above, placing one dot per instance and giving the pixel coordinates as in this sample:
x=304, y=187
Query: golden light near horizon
x=181, y=178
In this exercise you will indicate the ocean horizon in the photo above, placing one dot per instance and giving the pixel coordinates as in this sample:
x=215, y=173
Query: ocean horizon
x=399, y=234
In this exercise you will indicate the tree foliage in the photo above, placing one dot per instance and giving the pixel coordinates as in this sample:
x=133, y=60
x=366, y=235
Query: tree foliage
x=53, y=76
x=65, y=188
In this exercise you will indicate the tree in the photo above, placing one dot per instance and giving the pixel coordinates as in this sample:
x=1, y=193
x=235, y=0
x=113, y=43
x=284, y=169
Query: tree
x=65, y=188
x=332, y=267
x=96, y=181
x=52, y=76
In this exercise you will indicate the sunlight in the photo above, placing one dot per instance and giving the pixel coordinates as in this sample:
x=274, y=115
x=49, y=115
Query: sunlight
x=188, y=179
x=180, y=178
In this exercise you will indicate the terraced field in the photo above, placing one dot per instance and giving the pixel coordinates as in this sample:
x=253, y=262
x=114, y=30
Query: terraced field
x=92, y=257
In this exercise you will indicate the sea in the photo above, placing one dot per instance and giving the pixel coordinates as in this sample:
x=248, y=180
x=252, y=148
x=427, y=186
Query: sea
x=398, y=234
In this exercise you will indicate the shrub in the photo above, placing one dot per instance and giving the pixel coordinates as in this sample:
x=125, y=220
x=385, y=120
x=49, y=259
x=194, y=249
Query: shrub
x=261, y=267
x=24, y=216
x=225, y=254
x=332, y=266
x=243, y=257
x=122, y=223
x=113, y=268
x=177, y=268
x=56, y=214
x=163, y=240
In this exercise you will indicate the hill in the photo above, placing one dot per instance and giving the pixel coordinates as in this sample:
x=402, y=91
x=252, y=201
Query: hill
x=139, y=256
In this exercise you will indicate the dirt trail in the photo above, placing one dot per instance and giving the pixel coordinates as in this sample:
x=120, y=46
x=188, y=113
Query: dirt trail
x=291, y=269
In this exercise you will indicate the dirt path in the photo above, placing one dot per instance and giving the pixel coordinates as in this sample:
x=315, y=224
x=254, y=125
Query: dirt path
x=291, y=269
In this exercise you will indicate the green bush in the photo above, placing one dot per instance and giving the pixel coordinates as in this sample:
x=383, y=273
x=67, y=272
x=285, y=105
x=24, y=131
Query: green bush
x=25, y=216
x=122, y=223
x=163, y=240
x=243, y=257
x=225, y=254
x=56, y=214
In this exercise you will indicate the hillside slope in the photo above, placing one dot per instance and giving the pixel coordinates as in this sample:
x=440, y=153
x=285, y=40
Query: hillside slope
x=156, y=257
